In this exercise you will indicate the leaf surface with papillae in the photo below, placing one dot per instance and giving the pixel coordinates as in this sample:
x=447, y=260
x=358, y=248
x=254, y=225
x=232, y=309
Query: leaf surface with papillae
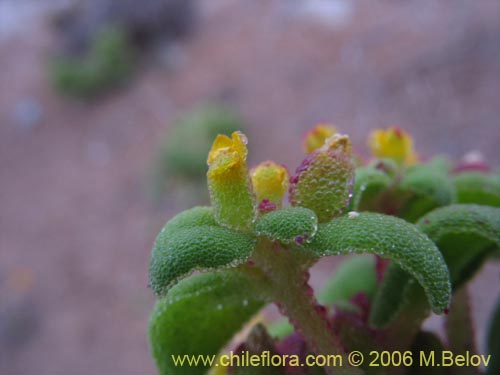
x=466, y=234
x=200, y=315
x=392, y=238
x=287, y=225
x=192, y=241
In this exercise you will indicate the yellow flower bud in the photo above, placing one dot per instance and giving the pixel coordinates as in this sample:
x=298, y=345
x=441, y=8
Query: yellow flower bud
x=393, y=143
x=316, y=137
x=324, y=180
x=270, y=182
x=229, y=182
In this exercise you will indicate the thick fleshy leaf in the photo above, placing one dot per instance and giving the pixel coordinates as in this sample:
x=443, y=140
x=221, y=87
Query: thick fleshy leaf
x=441, y=163
x=417, y=180
x=191, y=242
x=478, y=188
x=429, y=187
x=494, y=342
x=199, y=316
x=290, y=224
x=466, y=234
x=324, y=180
x=391, y=296
x=370, y=182
x=391, y=238
x=388, y=166
x=355, y=275
x=193, y=217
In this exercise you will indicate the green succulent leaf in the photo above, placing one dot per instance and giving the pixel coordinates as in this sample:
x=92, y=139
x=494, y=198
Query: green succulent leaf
x=290, y=224
x=199, y=316
x=194, y=217
x=391, y=296
x=478, y=188
x=494, y=342
x=440, y=163
x=197, y=128
x=466, y=234
x=392, y=238
x=389, y=166
x=431, y=181
x=191, y=241
x=107, y=64
x=354, y=275
x=429, y=187
x=370, y=182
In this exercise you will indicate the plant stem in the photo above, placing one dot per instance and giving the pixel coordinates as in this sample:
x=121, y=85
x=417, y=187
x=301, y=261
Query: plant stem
x=286, y=269
x=459, y=329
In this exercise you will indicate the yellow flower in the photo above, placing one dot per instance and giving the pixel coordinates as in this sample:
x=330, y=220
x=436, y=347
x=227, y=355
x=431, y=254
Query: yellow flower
x=393, y=143
x=315, y=138
x=229, y=182
x=270, y=182
x=228, y=152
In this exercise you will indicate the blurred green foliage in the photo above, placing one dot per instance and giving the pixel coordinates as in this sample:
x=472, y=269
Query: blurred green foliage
x=107, y=64
x=179, y=165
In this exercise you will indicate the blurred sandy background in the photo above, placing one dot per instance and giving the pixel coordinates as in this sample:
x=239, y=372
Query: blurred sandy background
x=76, y=221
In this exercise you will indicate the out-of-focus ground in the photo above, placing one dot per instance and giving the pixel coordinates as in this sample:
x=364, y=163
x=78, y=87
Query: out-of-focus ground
x=76, y=223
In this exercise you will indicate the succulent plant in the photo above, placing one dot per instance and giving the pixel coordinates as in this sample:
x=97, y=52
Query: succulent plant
x=107, y=64
x=213, y=268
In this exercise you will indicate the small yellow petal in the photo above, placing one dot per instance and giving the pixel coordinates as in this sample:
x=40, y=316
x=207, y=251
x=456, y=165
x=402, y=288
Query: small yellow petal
x=226, y=154
x=315, y=138
x=270, y=182
x=393, y=143
x=240, y=144
x=223, y=144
